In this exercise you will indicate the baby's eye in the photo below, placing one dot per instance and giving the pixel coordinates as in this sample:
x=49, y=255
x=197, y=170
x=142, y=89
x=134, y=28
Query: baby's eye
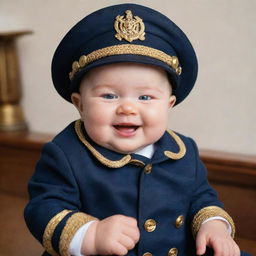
x=109, y=96
x=145, y=97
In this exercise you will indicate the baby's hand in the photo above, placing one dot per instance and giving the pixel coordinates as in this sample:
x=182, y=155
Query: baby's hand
x=215, y=235
x=114, y=235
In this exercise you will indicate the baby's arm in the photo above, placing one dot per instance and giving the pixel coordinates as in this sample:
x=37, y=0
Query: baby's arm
x=53, y=215
x=205, y=205
x=214, y=234
x=114, y=235
x=53, y=212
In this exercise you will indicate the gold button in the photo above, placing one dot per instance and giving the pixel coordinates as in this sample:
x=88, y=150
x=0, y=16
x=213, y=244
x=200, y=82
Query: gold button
x=173, y=252
x=179, y=221
x=148, y=168
x=150, y=225
x=147, y=254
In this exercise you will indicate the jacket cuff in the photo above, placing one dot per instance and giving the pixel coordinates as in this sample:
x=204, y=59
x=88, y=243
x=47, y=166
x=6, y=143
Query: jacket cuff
x=73, y=221
x=208, y=212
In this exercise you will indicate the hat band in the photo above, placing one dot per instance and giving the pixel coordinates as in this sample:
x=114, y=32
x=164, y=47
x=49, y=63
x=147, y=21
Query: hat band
x=121, y=49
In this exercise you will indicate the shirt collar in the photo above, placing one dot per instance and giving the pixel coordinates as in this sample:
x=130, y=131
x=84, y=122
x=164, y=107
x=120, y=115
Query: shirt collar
x=147, y=151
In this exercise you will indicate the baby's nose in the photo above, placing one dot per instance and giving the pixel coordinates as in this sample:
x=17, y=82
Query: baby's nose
x=127, y=108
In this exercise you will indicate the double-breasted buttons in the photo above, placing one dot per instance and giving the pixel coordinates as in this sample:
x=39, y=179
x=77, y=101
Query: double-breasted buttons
x=150, y=225
x=148, y=168
x=179, y=221
x=173, y=252
x=147, y=254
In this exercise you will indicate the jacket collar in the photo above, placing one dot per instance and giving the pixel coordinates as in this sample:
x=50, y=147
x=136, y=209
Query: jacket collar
x=170, y=146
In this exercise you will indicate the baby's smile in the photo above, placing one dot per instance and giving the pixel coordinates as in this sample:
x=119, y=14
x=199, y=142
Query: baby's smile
x=126, y=129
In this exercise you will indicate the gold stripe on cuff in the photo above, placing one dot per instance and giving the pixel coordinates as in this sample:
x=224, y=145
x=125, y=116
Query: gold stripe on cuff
x=73, y=224
x=49, y=230
x=208, y=212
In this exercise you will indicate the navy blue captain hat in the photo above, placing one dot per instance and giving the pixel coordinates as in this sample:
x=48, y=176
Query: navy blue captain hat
x=124, y=33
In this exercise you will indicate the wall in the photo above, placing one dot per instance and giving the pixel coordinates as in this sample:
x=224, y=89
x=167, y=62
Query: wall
x=220, y=112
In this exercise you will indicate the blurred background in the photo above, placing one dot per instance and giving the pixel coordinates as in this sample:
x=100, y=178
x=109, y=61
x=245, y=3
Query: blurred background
x=219, y=113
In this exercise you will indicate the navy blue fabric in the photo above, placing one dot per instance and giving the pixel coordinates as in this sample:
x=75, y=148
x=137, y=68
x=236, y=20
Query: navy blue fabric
x=68, y=177
x=96, y=31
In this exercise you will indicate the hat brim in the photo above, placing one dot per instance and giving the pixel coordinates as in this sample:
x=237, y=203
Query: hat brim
x=125, y=58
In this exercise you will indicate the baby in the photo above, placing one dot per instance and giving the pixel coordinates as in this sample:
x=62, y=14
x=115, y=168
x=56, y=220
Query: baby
x=117, y=182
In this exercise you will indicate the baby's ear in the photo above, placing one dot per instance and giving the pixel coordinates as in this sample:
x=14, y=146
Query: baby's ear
x=172, y=101
x=76, y=100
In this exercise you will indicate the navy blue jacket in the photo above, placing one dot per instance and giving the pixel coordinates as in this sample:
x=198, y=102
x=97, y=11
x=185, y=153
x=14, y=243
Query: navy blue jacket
x=76, y=175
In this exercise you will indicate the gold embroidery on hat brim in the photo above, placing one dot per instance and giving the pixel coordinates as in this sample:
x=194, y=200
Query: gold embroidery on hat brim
x=122, y=49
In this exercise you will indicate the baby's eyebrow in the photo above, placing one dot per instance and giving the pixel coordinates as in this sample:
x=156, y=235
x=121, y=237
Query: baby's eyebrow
x=102, y=86
x=139, y=88
x=149, y=88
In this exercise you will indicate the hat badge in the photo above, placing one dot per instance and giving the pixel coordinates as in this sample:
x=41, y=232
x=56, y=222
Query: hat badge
x=129, y=27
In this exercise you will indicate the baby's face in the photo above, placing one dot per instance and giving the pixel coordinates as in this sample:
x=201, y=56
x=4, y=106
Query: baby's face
x=124, y=107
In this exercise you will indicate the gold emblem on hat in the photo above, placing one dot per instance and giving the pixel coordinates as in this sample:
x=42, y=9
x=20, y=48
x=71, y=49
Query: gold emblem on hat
x=130, y=27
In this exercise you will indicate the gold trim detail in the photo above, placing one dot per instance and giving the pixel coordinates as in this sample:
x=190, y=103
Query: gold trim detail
x=109, y=163
x=73, y=224
x=137, y=162
x=208, y=212
x=49, y=230
x=129, y=28
x=173, y=252
x=84, y=60
x=182, y=151
x=148, y=169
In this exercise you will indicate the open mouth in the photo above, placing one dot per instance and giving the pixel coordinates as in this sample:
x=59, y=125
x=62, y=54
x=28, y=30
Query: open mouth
x=126, y=129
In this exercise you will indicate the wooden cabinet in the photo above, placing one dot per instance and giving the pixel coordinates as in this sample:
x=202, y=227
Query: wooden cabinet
x=18, y=154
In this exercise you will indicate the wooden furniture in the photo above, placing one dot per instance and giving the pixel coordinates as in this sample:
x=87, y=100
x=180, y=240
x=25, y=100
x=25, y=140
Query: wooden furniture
x=19, y=152
x=233, y=175
x=11, y=113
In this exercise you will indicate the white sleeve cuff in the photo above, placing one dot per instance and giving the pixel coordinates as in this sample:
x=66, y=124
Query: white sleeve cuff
x=76, y=242
x=220, y=218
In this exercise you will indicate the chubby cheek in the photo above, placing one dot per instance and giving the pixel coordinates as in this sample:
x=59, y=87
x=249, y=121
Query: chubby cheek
x=155, y=133
x=96, y=122
x=95, y=130
x=155, y=123
x=95, y=114
x=156, y=117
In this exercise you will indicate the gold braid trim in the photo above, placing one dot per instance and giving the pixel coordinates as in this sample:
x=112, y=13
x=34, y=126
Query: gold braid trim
x=49, y=230
x=208, y=212
x=109, y=163
x=142, y=50
x=73, y=224
x=181, y=145
x=136, y=162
